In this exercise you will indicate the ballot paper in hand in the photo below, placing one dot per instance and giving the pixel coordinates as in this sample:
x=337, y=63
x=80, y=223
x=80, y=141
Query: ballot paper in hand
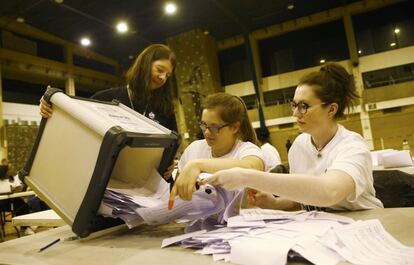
x=148, y=204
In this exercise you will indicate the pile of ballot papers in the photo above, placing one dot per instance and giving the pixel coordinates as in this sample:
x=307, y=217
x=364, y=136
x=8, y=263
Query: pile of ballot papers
x=149, y=203
x=269, y=237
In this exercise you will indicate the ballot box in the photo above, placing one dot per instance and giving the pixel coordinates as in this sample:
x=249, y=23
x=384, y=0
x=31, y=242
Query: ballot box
x=87, y=146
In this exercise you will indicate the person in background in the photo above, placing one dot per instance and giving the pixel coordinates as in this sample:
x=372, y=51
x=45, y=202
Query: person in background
x=4, y=162
x=330, y=166
x=146, y=91
x=288, y=145
x=230, y=141
x=12, y=184
x=270, y=153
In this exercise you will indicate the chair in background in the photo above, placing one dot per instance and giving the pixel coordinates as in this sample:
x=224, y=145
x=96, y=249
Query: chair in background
x=282, y=168
x=394, y=188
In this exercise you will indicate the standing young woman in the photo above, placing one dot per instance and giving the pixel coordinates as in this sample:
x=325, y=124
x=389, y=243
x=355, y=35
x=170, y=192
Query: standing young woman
x=330, y=166
x=147, y=90
x=230, y=141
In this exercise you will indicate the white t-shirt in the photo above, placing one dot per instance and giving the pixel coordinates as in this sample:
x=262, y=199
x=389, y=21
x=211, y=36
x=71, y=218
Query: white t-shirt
x=348, y=152
x=271, y=156
x=6, y=186
x=201, y=150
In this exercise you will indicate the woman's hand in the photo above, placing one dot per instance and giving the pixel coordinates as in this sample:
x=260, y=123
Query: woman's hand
x=230, y=179
x=184, y=185
x=261, y=199
x=46, y=109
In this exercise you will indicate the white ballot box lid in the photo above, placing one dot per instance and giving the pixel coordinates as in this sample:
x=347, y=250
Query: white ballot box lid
x=85, y=144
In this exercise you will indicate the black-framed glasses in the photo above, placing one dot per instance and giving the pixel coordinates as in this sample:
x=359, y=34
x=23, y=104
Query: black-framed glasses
x=213, y=128
x=302, y=107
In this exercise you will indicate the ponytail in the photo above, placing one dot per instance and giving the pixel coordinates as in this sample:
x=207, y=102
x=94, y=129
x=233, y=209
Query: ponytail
x=332, y=83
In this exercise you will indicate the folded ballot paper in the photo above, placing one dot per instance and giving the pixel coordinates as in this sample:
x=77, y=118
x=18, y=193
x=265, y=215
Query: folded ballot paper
x=148, y=204
x=269, y=237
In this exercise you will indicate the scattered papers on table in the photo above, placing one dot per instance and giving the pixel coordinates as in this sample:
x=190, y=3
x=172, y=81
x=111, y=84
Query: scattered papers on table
x=269, y=237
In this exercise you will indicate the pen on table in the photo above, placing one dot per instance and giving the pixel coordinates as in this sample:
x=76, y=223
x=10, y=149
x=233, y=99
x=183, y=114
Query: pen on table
x=49, y=245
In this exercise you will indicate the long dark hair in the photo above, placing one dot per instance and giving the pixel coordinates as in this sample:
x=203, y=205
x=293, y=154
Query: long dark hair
x=138, y=78
x=332, y=83
x=232, y=109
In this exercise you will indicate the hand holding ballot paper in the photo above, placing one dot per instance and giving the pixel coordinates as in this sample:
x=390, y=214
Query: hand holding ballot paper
x=148, y=204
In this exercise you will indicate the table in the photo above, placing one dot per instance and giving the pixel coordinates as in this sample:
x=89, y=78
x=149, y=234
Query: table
x=409, y=170
x=11, y=196
x=16, y=195
x=43, y=218
x=141, y=245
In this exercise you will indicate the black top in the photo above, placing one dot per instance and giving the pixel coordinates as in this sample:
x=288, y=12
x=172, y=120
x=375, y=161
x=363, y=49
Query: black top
x=121, y=94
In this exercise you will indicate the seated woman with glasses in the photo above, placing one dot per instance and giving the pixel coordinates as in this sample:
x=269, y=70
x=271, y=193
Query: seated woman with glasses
x=330, y=166
x=230, y=141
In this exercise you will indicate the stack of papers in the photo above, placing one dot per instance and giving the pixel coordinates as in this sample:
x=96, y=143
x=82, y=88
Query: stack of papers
x=264, y=237
x=390, y=158
x=149, y=204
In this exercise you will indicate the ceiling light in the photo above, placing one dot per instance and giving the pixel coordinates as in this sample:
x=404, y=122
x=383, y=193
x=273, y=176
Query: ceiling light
x=20, y=19
x=59, y=1
x=85, y=41
x=290, y=6
x=206, y=32
x=322, y=61
x=122, y=27
x=170, y=8
x=131, y=57
x=359, y=51
x=397, y=30
x=392, y=44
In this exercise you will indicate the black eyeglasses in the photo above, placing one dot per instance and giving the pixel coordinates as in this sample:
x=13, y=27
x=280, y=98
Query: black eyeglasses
x=302, y=106
x=213, y=128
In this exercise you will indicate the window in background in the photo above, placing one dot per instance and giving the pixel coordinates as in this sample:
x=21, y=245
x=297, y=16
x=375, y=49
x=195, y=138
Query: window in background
x=92, y=64
x=250, y=101
x=385, y=29
x=303, y=48
x=388, y=76
x=22, y=92
x=50, y=51
x=234, y=67
x=279, y=96
x=17, y=42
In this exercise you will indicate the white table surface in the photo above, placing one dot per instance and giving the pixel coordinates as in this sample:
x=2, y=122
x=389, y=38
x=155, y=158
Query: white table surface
x=16, y=195
x=43, y=218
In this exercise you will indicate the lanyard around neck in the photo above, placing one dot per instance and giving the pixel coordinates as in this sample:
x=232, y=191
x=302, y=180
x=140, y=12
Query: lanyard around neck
x=130, y=98
x=132, y=104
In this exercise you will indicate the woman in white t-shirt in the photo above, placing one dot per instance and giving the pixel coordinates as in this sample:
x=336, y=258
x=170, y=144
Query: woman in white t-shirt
x=230, y=141
x=270, y=153
x=329, y=166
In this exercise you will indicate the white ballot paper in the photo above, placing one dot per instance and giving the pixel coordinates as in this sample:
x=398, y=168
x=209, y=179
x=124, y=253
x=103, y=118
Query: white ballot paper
x=149, y=204
x=259, y=236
